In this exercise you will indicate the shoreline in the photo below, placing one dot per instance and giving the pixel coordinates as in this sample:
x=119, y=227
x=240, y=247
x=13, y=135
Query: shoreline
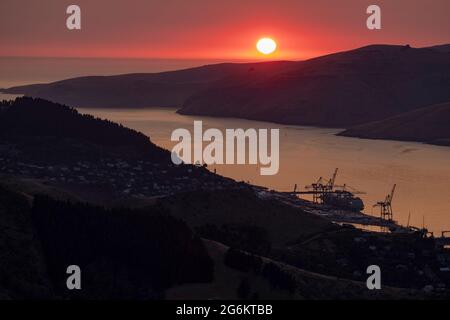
x=335, y=215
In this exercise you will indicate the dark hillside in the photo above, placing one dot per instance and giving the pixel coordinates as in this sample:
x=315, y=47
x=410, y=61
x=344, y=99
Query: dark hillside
x=97, y=160
x=429, y=124
x=165, y=89
x=23, y=271
x=29, y=117
x=336, y=90
x=123, y=253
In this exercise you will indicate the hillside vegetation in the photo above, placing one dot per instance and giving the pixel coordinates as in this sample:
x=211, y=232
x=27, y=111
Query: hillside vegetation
x=122, y=253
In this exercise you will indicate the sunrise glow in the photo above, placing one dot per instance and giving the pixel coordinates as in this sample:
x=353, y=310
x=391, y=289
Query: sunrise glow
x=266, y=45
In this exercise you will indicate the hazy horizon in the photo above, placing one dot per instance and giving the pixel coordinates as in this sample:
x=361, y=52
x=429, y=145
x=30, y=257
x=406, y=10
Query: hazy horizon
x=24, y=70
x=176, y=29
x=16, y=71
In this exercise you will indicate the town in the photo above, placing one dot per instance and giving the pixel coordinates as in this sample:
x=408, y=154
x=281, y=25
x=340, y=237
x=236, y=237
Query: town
x=122, y=178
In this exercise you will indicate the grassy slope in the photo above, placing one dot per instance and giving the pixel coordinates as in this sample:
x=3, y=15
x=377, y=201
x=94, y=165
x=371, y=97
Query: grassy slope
x=23, y=248
x=283, y=223
x=310, y=285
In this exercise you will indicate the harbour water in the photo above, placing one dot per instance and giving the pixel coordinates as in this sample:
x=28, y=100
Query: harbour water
x=421, y=171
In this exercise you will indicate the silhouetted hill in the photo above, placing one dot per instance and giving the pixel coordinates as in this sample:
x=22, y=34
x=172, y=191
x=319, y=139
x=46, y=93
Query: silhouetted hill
x=163, y=89
x=429, y=124
x=22, y=265
x=129, y=253
x=240, y=218
x=441, y=48
x=98, y=160
x=249, y=276
x=122, y=253
x=337, y=90
x=29, y=118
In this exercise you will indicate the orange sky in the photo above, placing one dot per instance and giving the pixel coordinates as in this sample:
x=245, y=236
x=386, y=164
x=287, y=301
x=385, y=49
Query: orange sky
x=212, y=29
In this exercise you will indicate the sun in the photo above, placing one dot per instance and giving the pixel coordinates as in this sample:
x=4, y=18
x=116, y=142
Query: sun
x=266, y=45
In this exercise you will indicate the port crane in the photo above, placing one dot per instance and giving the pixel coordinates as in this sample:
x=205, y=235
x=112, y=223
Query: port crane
x=386, y=212
x=327, y=192
x=347, y=188
x=443, y=240
x=320, y=187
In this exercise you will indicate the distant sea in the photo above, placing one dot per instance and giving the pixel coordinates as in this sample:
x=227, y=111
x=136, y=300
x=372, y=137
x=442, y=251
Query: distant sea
x=19, y=71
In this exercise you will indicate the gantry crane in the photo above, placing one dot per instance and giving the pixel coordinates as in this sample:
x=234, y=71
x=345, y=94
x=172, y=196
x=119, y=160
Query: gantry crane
x=386, y=212
x=320, y=187
x=327, y=192
x=347, y=188
x=330, y=184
